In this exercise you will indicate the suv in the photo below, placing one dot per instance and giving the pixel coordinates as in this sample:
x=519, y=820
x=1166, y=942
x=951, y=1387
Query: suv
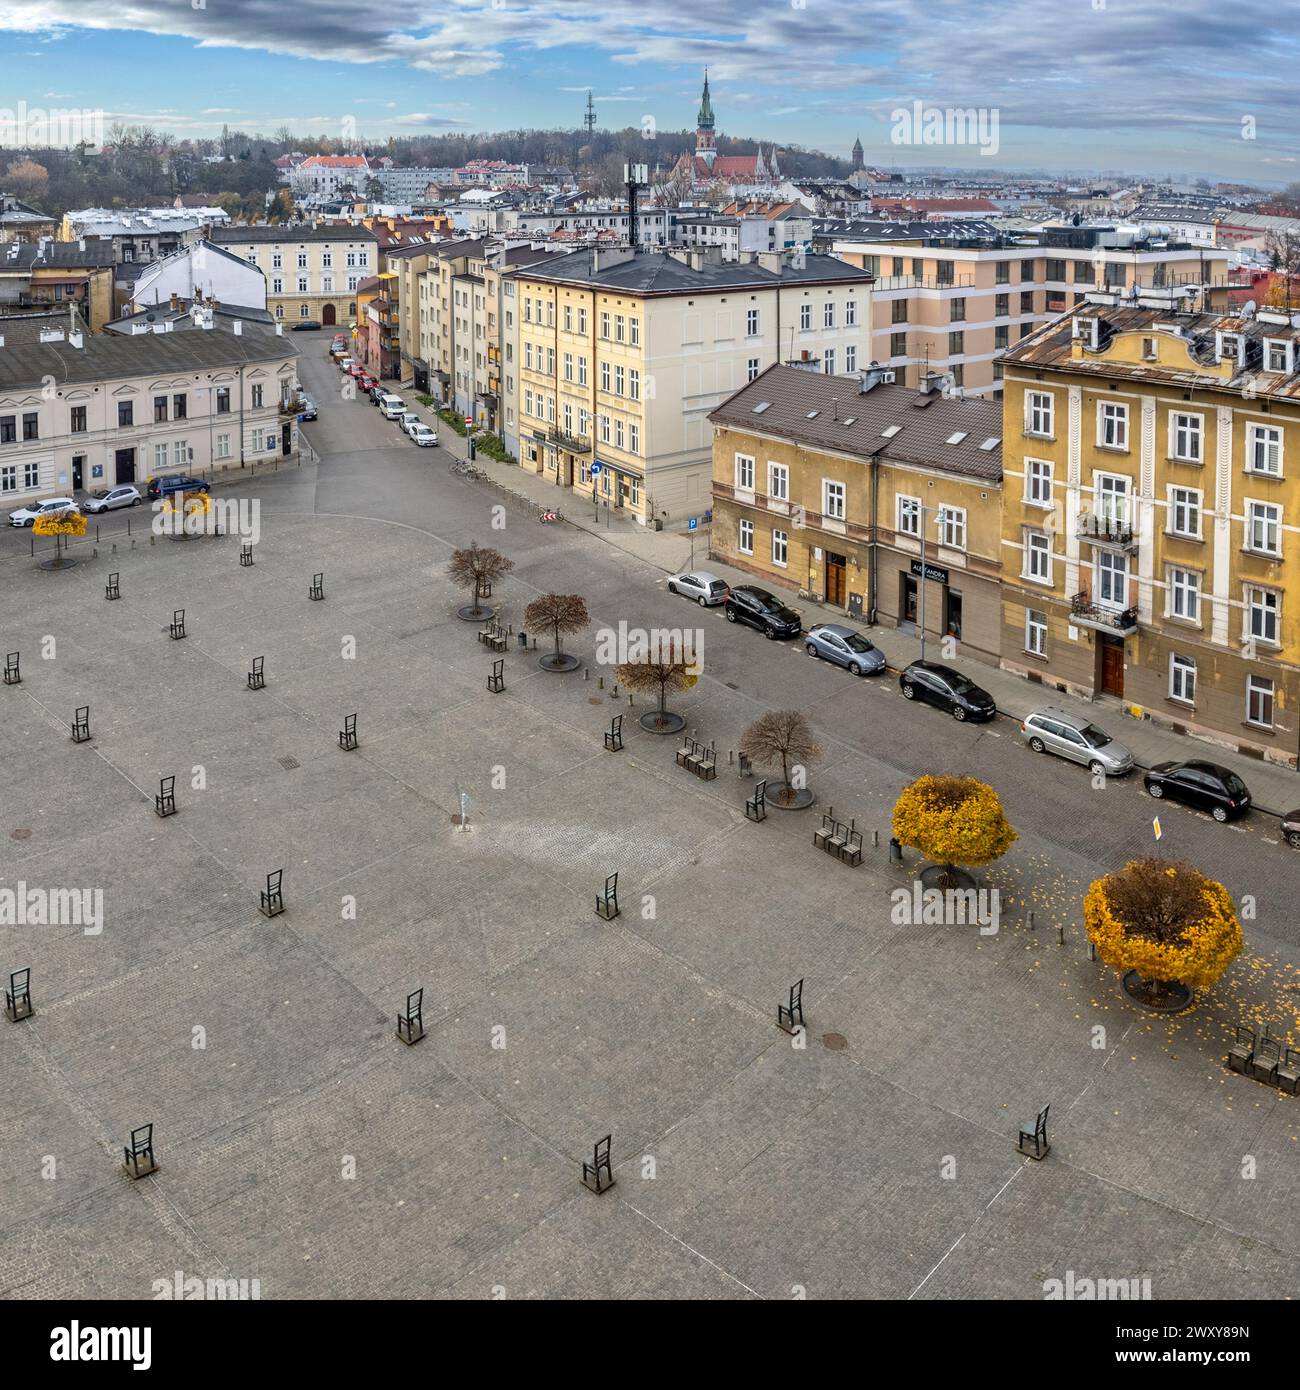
x=1075, y=737
x=948, y=689
x=174, y=482
x=762, y=609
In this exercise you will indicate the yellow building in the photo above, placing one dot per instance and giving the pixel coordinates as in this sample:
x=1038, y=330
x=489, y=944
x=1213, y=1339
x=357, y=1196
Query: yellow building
x=1151, y=519
x=879, y=501
x=623, y=353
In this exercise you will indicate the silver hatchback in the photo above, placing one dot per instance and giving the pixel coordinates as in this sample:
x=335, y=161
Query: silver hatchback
x=1075, y=737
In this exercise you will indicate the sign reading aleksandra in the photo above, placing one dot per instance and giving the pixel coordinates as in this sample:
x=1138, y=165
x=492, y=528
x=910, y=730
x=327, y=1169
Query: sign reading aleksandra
x=935, y=572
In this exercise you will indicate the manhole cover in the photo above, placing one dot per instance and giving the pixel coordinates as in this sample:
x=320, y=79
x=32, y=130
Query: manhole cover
x=21, y=834
x=288, y=762
x=594, y=700
x=834, y=1042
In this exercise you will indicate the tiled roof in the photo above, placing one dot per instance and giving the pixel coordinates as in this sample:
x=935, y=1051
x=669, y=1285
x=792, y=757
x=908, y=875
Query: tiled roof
x=830, y=412
x=235, y=236
x=656, y=272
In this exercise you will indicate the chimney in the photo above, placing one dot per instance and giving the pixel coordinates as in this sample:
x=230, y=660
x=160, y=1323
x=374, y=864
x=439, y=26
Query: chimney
x=174, y=304
x=238, y=328
x=75, y=339
x=871, y=378
x=929, y=383
x=279, y=330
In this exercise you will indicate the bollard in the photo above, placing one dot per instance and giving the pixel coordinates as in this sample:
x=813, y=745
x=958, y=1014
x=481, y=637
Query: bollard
x=1031, y=919
x=731, y=756
x=1092, y=950
x=875, y=839
x=586, y=674
x=895, y=850
x=600, y=682
x=1060, y=936
x=629, y=702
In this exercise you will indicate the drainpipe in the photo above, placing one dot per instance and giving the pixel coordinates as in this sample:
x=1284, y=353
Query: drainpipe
x=871, y=558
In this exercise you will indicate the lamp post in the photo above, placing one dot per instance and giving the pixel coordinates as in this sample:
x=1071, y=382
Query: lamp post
x=938, y=521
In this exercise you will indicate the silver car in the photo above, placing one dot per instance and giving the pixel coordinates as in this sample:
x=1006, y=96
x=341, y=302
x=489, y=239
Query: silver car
x=1075, y=737
x=109, y=498
x=845, y=647
x=705, y=588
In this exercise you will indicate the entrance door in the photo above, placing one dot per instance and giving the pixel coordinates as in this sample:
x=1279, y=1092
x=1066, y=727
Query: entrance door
x=124, y=461
x=835, y=579
x=907, y=605
x=1111, y=658
x=327, y=316
x=286, y=440
x=77, y=469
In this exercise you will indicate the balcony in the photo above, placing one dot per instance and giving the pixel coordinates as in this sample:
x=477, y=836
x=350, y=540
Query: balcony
x=573, y=443
x=1114, y=532
x=1102, y=619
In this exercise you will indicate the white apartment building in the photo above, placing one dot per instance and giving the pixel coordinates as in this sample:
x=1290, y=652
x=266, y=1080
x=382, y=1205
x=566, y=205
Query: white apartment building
x=311, y=273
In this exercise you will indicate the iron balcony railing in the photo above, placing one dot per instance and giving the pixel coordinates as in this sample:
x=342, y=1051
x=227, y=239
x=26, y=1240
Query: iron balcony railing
x=1112, y=530
x=1083, y=610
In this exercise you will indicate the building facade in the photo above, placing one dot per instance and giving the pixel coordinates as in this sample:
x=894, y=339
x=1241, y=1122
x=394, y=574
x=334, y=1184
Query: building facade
x=1151, y=526
x=311, y=273
x=877, y=501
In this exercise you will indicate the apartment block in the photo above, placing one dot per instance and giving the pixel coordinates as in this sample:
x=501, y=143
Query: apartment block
x=1151, y=521
x=311, y=273
x=623, y=353
x=876, y=500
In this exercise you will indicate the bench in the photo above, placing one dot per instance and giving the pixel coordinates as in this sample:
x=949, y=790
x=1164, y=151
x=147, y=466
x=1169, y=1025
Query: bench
x=699, y=758
x=837, y=838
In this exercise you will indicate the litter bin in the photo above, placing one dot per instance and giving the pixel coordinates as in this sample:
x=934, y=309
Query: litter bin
x=523, y=639
x=471, y=449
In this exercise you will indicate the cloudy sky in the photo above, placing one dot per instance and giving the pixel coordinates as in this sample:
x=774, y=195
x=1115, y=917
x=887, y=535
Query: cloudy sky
x=1190, y=86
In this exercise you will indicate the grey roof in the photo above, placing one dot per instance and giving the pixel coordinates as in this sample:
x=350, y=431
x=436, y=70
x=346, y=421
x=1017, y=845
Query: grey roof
x=23, y=255
x=289, y=233
x=849, y=421
x=656, y=272
x=109, y=357
x=181, y=317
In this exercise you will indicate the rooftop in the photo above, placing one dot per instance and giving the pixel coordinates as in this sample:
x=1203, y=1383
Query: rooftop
x=649, y=271
x=290, y=233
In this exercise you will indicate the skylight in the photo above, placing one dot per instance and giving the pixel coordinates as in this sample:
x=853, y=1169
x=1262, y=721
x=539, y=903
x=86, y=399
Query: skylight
x=890, y=432
x=812, y=415
x=851, y=420
x=991, y=443
x=761, y=407
x=957, y=438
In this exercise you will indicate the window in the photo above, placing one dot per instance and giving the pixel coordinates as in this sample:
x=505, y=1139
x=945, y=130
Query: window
x=159, y=410
x=746, y=538
x=259, y=441
x=1027, y=301
x=125, y=414
x=1262, y=607
x=8, y=429
x=898, y=345
x=1185, y=595
x=604, y=429
x=1035, y=633
x=77, y=423
x=180, y=453
x=160, y=456
x=1185, y=512
x=277, y=260
x=850, y=358
x=604, y=325
x=898, y=311
x=223, y=446
x=1003, y=273
x=302, y=260
x=633, y=384
x=568, y=418
x=828, y=362
x=952, y=527
x=604, y=376
x=277, y=285
x=1038, y=414
x=1112, y=425
x=751, y=323
x=908, y=522
x=752, y=368
x=1277, y=358
x=178, y=407
x=832, y=499
x=618, y=328
x=1001, y=337
x=528, y=356
x=1112, y=580
x=1182, y=679
x=780, y=548
x=568, y=318
x=1264, y=450
x=302, y=286
x=828, y=314
x=1185, y=437
x=851, y=313
x=778, y=482
x=1038, y=556
x=805, y=317
x=619, y=378
x=1110, y=495
x=1259, y=701
x=1038, y=482
x=528, y=401
x=618, y=432
x=9, y=478
x=257, y=397
x=634, y=337
x=1002, y=306
x=956, y=310
x=633, y=437
x=568, y=366
x=745, y=472
x=1264, y=528
x=956, y=344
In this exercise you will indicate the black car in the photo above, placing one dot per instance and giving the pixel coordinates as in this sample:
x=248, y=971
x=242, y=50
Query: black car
x=307, y=409
x=306, y=326
x=761, y=609
x=377, y=394
x=948, y=689
x=1206, y=786
x=1291, y=829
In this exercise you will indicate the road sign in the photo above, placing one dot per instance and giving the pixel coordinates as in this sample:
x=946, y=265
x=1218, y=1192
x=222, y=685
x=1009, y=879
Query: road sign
x=469, y=422
x=692, y=523
x=597, y=468
x=1155, y=823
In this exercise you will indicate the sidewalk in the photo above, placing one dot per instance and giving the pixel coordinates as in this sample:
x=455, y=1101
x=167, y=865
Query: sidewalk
x=1275, y=789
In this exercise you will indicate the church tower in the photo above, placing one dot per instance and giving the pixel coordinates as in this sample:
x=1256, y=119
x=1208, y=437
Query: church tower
x=704, y=146
x=857, y=156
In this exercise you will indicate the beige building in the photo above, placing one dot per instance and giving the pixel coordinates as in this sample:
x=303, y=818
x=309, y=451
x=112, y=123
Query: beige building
x=622, y=354
x=312, y=273
x=879, y=501
x=1151, y=526
x=953, y=307
x=126, y=408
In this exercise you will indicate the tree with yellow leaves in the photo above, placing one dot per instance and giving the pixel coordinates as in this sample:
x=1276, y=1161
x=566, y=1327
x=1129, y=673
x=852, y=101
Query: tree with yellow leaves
x=58, y=525
x=1169, y=926
x=952, y=820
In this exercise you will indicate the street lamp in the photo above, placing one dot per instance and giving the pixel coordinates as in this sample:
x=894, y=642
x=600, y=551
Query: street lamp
x=938, y=521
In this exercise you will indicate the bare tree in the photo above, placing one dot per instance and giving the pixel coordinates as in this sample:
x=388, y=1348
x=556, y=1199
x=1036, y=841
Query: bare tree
x=658, y=673
x=782, y=736
x=472, y=569
x=564, y=614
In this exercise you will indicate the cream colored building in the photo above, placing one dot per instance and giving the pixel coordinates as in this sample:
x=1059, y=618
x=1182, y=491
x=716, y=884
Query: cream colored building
x=126, y=408
x=312, y=273
x=622, y=354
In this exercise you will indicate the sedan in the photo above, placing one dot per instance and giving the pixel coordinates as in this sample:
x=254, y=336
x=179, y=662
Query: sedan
x=25, y=516
x=761, y=609
x=1205, y=786
x=306, y=326
x=845, y=647
x=705, y=588
x=366, y=381
x=948, y=689
x=1291, y=829
x=423, y=435
x=377, y=393
x=108, y=499
x=307, y=409
x=1075, y=737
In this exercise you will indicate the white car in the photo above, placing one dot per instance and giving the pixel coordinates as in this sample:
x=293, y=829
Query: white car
x=392, y=407
x=110, y=498
x=422, y=434
x=705, y=588
x=406, y=420
x=344, y=362
x=24, y=516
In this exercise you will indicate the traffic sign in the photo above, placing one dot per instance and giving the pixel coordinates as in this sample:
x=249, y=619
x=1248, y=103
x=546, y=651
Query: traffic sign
x=469, y=422
x=1155, y=825
x=692, y=523
x=597, y=468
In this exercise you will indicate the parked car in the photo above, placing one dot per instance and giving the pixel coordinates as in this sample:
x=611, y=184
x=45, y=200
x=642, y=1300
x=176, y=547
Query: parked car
x=1074, y=736
x=422, y=434
x=345, y=362
x=355, y=370
x=1205, y=786
x=25, y=516
x=407, y=419
x=108, y=499
x=705, y=588
x=845, y=647
x=1291, y=829
x=307, y=409
x=306, y=326
x=366, y=382
x=338, y=349
x=165, y=484
x=759, y=608
x=393, y=407
x=377, y=394
x=948, y=689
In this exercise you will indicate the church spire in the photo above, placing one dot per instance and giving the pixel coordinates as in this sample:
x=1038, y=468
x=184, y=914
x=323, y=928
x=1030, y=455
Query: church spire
x=704, y=146
x=704, y=121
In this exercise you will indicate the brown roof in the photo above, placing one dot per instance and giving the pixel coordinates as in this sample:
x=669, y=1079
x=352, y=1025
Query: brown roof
x=849, y=421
